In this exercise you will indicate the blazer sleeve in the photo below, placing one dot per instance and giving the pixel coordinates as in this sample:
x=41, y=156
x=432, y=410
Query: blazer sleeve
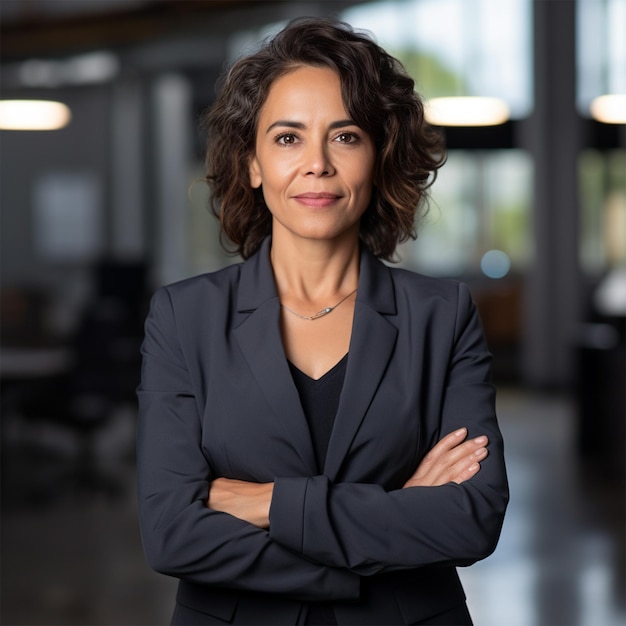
x=367, y=529
x=181, y=536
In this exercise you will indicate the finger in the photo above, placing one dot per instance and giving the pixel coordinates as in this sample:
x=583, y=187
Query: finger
x=449, y=466
x=450, y=441
x=457, y=460
x=469, y=467
x=463, y=450
x=458, y=465
x=458, y=471
x=450, y=450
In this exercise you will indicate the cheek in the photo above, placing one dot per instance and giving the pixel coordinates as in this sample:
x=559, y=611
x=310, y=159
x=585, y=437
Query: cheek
x=277, y=177
x=364, y=188
x=361, y=173
x=273, y=192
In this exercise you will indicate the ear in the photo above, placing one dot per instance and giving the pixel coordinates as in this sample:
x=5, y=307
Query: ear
x=254, y=170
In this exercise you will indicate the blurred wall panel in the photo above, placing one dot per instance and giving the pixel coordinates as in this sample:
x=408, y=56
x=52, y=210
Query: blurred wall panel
x=127, y=171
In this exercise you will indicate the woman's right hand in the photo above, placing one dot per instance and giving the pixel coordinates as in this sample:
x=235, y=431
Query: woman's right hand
x=453, y=459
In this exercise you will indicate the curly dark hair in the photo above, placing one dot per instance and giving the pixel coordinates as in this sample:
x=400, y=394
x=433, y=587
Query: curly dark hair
x=379, y=96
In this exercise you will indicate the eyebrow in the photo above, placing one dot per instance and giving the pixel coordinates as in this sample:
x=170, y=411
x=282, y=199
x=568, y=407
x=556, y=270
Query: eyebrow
x=301, y=126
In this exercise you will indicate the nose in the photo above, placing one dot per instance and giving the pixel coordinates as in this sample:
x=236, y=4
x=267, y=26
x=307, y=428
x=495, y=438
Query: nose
x=317, y=161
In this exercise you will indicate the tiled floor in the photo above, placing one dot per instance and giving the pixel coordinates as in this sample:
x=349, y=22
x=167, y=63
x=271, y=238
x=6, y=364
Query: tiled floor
x=560, y=562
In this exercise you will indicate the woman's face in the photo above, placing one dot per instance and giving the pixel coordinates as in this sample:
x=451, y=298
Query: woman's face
x=313, y=163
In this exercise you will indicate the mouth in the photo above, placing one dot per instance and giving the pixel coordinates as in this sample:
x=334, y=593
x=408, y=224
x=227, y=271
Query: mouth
x=319, y=200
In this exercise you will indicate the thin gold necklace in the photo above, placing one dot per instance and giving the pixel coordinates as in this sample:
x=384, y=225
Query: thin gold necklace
x=322, y=313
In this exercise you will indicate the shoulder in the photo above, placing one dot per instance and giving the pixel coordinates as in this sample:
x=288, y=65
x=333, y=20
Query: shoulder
x=444, y=301
x=198, y=296
x=210, y=284
x=407, y=281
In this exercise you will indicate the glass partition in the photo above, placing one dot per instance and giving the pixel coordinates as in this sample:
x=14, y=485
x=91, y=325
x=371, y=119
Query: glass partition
x=479, y=218
x=457, y=47
x=601, y=50
x=603, y=210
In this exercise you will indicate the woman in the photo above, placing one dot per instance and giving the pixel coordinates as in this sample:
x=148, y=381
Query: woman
x=314, y=425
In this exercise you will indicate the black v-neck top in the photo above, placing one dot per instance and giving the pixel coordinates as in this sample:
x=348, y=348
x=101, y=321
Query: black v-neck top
x=320, y=399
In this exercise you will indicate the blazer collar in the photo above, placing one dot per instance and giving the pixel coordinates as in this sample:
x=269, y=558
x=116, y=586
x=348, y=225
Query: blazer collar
x=257, y=284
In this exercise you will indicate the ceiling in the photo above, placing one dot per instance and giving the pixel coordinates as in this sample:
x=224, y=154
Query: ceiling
x=45, y=28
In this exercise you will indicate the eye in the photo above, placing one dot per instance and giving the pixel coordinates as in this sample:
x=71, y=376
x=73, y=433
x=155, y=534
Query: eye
x=347, y=138
x=286, y=139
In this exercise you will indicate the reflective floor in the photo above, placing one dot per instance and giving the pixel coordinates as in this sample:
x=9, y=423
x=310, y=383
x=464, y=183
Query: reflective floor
x=75, y=557
x=560, y=560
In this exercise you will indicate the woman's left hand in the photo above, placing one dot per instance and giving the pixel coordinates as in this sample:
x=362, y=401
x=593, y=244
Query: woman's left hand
x=453, y=459
x=245, y=500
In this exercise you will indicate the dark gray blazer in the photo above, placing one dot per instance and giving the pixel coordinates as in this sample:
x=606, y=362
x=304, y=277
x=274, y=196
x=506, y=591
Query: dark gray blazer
x=217, y=399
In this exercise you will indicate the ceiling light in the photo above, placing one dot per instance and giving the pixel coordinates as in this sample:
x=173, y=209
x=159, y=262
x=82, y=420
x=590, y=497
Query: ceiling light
x=610, y=109
x=466, y=111
x=33, y=115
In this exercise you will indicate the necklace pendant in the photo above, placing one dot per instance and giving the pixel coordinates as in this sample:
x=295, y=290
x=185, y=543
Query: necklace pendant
x=321, y=313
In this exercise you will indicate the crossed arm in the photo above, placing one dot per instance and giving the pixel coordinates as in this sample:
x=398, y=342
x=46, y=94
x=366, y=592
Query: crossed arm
x=453, y=459
x=316, y=544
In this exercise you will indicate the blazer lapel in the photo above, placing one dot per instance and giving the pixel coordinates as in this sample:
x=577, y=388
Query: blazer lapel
x=371, y=346
x=258, y=333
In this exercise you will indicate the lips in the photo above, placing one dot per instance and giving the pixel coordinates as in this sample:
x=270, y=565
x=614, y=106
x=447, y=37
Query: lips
x=319, y=199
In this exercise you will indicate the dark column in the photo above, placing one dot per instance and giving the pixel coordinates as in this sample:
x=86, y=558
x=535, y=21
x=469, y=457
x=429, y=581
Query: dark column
x=553, y=136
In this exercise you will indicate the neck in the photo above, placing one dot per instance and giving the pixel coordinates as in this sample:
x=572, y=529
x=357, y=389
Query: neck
x=315, y=271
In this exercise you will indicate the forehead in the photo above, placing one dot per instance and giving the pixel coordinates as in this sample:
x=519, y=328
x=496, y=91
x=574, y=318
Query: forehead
x=305, y=88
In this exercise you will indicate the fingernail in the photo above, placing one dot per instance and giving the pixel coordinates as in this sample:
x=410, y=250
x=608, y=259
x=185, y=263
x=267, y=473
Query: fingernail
x=480, y=440
x=480, y=452
x=473, y=467
x=461, y=431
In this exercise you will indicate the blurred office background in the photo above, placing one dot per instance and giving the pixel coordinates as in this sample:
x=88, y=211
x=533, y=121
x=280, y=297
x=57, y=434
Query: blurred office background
x=530, y=212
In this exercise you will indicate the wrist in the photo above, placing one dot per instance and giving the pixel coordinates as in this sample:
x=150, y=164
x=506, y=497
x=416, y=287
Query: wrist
x=263, y=507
